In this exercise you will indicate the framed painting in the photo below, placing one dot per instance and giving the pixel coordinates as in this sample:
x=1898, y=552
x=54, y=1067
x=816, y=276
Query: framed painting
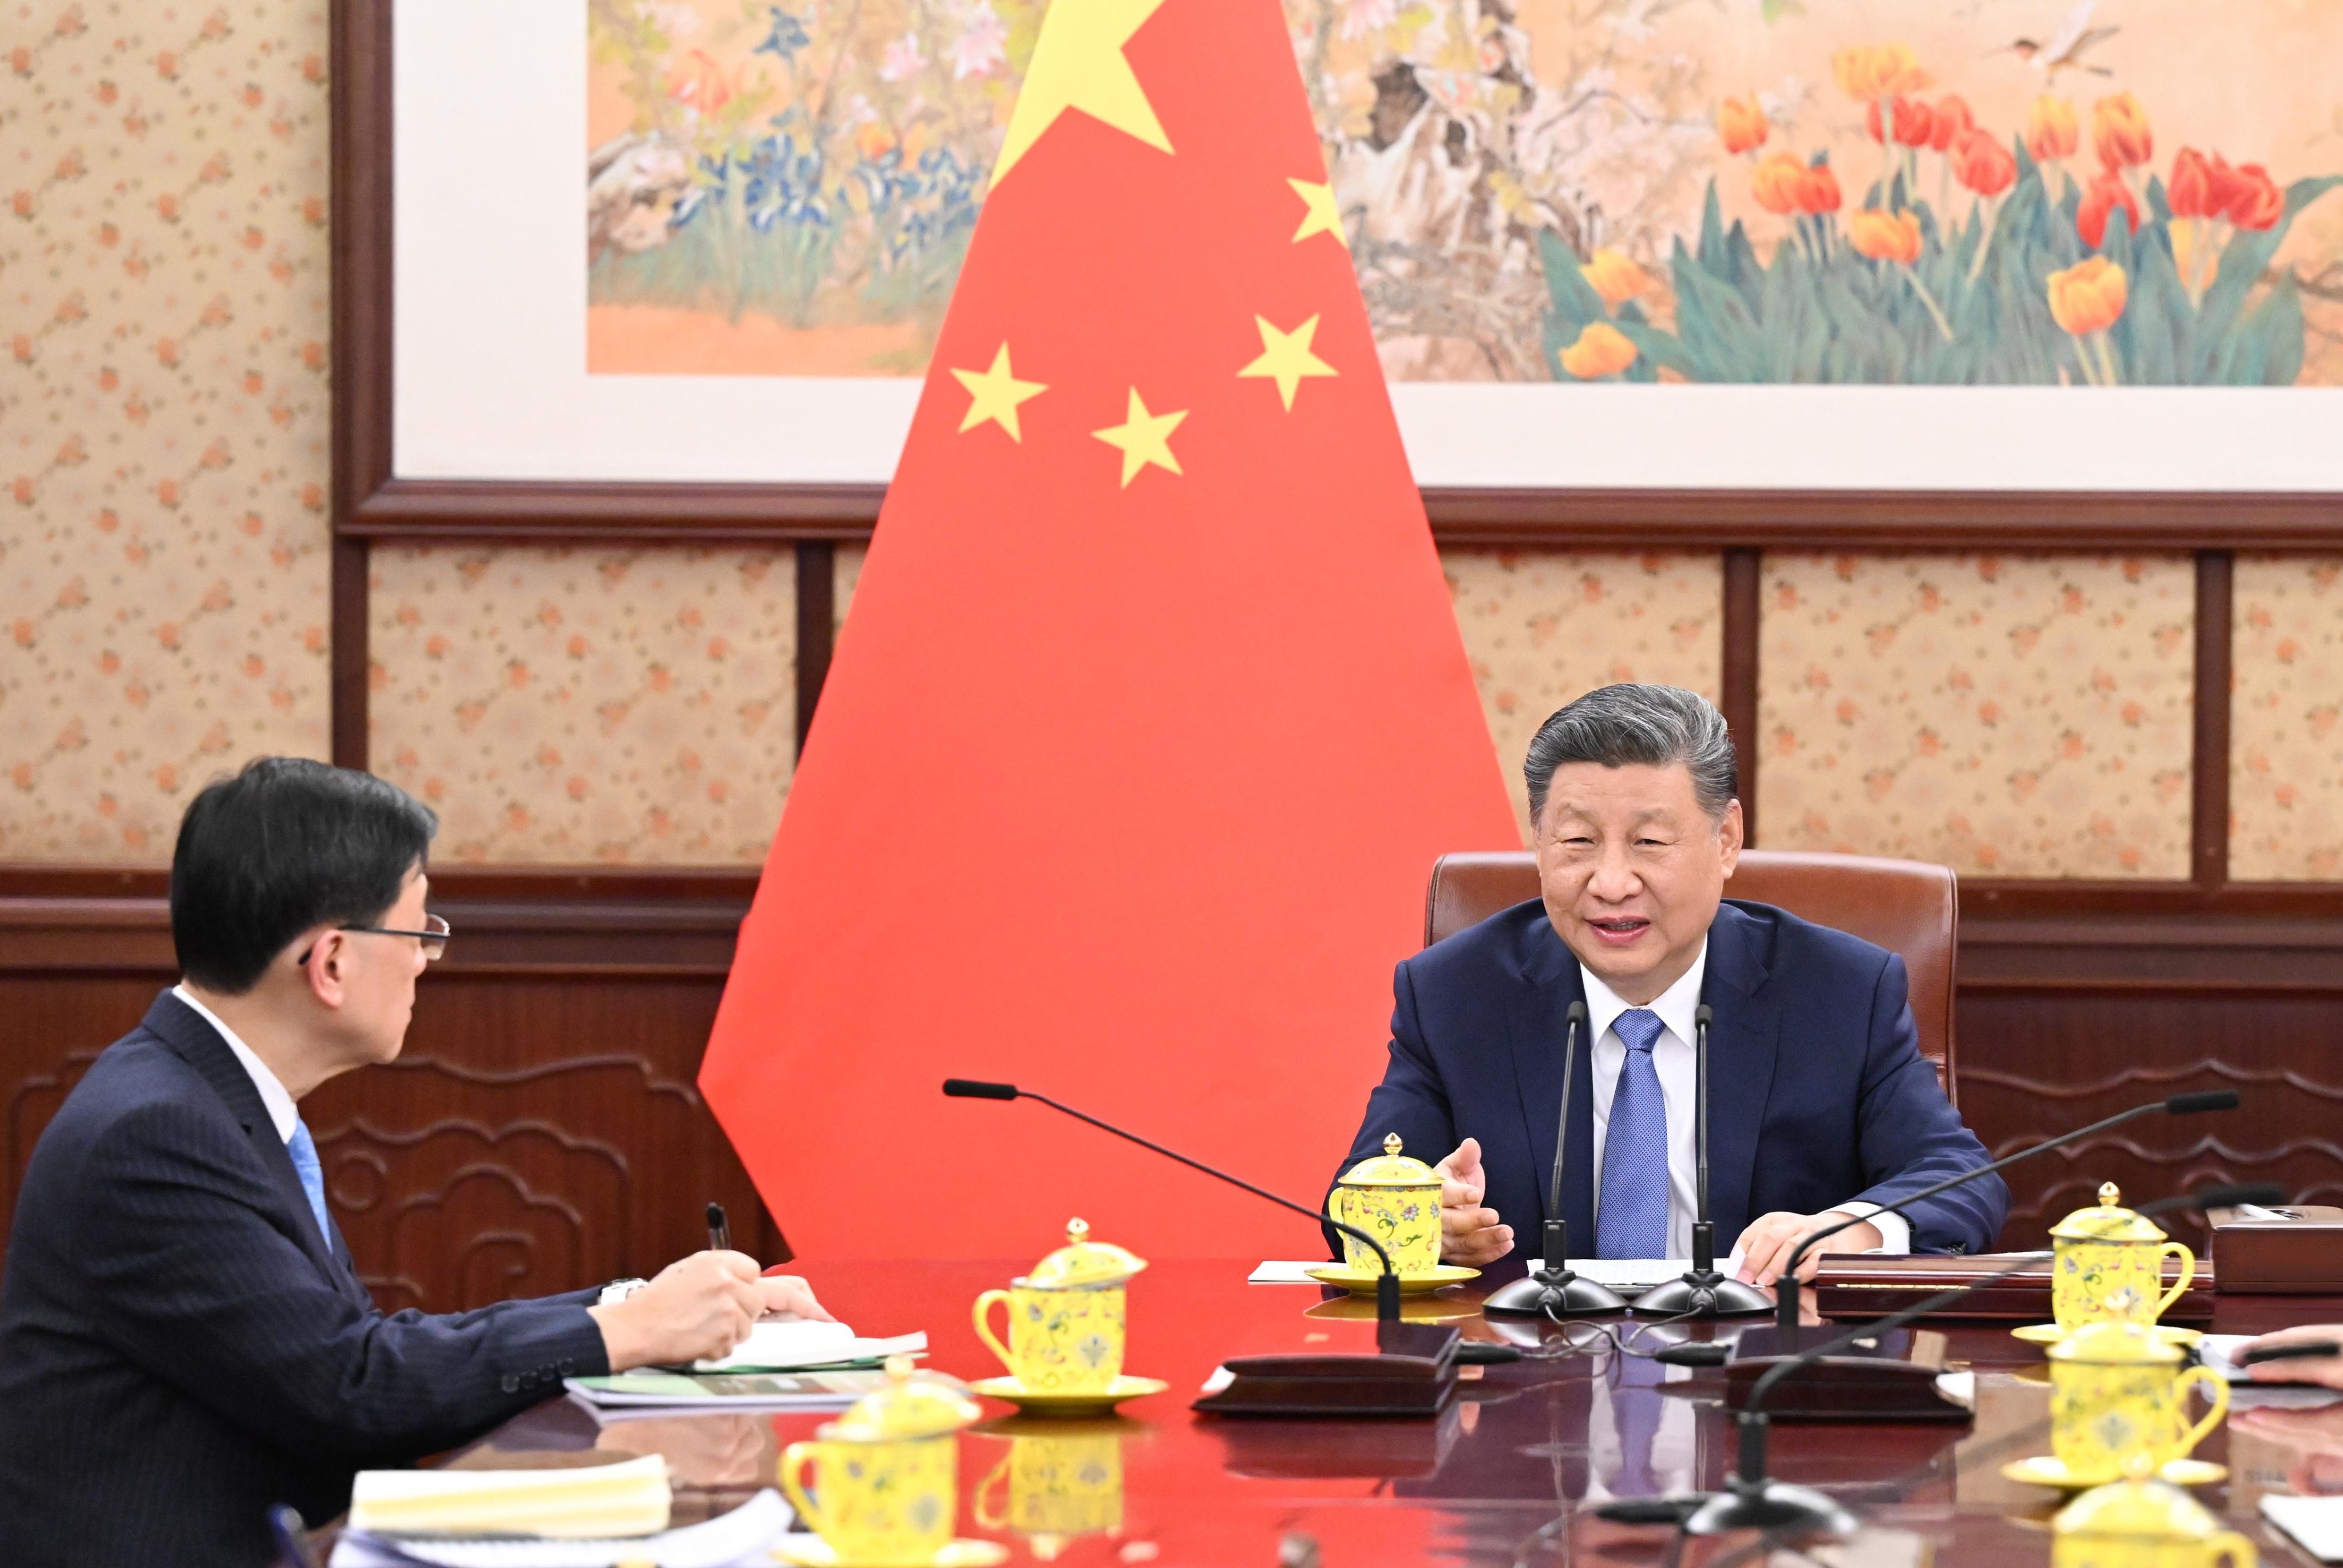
x=1743, y=271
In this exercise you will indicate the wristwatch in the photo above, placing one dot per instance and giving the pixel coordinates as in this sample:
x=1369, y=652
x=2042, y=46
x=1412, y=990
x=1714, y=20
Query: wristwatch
x=618, y=1290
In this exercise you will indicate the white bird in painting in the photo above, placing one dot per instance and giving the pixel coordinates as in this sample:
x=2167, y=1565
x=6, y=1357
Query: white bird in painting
x=2075, y=38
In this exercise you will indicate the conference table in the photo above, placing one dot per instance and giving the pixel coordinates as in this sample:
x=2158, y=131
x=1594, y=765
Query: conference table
x=1498, y=1480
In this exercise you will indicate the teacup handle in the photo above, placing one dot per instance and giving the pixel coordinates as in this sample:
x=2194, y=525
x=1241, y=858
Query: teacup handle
x=985, y=1516
x=2198, y=1433
x=2187, y=1272
x=793, y=1461
x=984, y=1329
x=2231, y=1548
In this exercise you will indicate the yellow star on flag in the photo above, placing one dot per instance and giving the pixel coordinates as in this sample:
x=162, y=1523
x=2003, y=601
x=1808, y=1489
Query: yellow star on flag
x=1145, y=439
x=994, y=393
x=1078, y=64
x=1285, y=358
x=1320, y=216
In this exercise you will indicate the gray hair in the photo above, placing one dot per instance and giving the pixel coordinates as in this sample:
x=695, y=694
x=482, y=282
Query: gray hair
x=1633, y=725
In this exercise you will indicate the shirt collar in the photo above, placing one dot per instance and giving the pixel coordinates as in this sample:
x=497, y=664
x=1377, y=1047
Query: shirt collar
x=282, y=1113
x=1674, y=1005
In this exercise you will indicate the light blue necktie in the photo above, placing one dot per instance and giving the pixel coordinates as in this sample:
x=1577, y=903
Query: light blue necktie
x=304, y=1149
x=1632, y=1221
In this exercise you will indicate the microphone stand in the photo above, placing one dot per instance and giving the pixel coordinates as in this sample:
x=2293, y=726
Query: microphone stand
x=1553, y=1289
x=1386, y=1285
x=1703, y=1293
x=1787, y=1288
x=1755, y=1502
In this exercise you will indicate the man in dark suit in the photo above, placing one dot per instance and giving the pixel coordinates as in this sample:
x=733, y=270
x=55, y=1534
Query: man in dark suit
x=1820, y=1105
x=184, y=1341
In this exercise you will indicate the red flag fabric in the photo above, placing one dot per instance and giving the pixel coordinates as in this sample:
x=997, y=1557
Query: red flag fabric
x=1152, y=714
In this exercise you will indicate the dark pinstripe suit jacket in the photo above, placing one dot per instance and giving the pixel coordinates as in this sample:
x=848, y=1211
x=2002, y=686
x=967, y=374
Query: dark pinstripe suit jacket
x=179, y=1348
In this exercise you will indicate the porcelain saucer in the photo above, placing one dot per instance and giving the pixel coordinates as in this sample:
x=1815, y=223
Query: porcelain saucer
x=1361, y=1282
x=1069, y=1401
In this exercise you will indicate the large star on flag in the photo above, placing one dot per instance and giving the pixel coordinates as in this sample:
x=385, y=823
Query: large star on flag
x=994, y=393
x=1285, y=358
x=1143, y=439
x=1078, y=64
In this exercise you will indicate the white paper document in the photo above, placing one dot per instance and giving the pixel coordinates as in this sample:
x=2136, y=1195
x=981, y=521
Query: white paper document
x=2315, y=1522
x=747, y=1534
x=1275, y=1273
x=797, y=1344
x=2219, y=1351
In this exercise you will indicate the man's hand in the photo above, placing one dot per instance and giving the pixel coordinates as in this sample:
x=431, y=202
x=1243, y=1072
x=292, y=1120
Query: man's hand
x=1469, y=1234
x=2326, y=1370
x=1766, y=1245
x=789, y=1295
x=701, y=1307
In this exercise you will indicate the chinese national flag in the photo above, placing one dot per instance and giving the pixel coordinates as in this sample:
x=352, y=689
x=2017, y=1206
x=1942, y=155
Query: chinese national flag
x=1152, y=714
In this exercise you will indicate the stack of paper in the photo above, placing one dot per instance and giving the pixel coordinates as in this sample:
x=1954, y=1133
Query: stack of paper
x=664, y=1392
x=599, y=1501
x=2315, y=1522
x=745, y=1535
x=796, y=1344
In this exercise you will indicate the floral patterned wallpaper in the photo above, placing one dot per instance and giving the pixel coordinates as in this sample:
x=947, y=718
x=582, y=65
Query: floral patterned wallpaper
x=163, y=411
x=2007, y=715
x=1542, y=626
x=575, y=706
x=2286, y=751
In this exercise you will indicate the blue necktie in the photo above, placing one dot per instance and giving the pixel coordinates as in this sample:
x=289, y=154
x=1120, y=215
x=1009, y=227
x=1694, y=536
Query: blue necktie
x=1632, y=1221
x=304, y=1149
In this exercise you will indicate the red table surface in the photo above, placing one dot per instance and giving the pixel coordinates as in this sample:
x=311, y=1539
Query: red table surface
x=1496, y=1480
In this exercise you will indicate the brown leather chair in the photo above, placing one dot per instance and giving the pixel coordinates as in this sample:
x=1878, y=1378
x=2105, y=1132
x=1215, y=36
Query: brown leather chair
x=1907, y=907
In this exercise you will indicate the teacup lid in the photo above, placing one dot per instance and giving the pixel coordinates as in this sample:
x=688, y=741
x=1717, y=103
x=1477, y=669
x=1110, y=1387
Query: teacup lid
x=2120, y=1344
x=2109, y=1222
x=912, y=1406
x=2136, y=1505
x=1083, y=1262
x=1391, y=1169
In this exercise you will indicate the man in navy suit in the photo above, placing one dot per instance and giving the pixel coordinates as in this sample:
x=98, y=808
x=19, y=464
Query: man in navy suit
x=183, y=1341
x=1820, y=1105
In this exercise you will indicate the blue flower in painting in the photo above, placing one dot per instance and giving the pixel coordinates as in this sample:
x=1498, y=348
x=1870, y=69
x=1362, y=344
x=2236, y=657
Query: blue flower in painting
x=788, y=36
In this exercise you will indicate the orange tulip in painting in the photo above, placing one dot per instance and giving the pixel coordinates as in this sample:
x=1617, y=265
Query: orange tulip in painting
x=2190, y=189
x=2050, y=130
x=1818, y=190
x=1601, y=351
x=1914, y=123
x=2088, y=296
x=1885, y=236
x=1777, y=182
x=1615, y=278
x=2106, y=194
x=2120, y=133
x=1741, y=124
x=1868, y=74
x=1950, y=121
x=1982, y=164
x=2254, y=200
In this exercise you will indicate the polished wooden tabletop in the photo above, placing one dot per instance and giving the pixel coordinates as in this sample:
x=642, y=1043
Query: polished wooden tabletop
x=1498, y=1480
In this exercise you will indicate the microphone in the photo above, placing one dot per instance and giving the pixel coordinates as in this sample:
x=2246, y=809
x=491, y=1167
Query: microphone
x=1754, y=1501
x=1787, y=1287
x=1554, y=1290
x=1386, y=1286
x=1703, y=1293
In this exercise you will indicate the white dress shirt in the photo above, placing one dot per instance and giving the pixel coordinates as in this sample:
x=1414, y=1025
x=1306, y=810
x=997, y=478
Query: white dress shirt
x=1671, y=1058
x=282, y=1112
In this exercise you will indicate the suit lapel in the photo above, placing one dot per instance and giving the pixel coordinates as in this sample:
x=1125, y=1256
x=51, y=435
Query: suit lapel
x=1536, y=1024
x=1743, y=1036
x=199, y=1045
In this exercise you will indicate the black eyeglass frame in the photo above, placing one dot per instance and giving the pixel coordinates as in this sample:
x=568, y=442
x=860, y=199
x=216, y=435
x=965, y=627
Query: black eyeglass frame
x=430, y=938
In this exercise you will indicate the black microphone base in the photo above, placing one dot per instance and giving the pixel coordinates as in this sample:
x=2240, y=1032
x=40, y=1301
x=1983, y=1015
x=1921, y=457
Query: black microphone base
x=1702, y=1295
x=1773, y=1506
x=1562, y=1295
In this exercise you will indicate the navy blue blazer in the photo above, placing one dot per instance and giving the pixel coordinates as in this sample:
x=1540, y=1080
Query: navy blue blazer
x=1817, y=1092
x=179, y=1347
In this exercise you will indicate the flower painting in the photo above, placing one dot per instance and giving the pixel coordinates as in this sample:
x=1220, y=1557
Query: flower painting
x=2077, y=193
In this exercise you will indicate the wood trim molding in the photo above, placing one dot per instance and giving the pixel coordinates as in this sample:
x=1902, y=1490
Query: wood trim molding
x=1737, y=678
x=817, y=626
x=2214, y=691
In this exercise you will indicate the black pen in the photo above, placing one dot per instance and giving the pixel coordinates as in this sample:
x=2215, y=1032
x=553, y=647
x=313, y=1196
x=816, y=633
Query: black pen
x=719, y=1232
x=2300, y=1350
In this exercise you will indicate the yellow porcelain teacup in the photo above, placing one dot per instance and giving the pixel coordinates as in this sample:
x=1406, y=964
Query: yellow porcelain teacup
x=1065, y=1318
x=2117, y=1395
x=1395, y=1199
x=2109, y=1266
x=887, y=1472
x=2136, y=1523
x=1057, y=1485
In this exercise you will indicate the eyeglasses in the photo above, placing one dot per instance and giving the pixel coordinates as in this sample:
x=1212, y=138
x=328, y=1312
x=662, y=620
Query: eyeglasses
x=433, y=936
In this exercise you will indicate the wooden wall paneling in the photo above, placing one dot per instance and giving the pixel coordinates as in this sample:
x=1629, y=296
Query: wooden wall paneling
x=1739, y=627
x=2208, y=811
x=816, y=623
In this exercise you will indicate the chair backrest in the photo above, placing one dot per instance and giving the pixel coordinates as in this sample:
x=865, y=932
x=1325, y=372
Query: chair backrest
x=1907, y=907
